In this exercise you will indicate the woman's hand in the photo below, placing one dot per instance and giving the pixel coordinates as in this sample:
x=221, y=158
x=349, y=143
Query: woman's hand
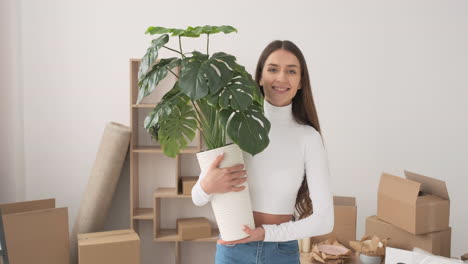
x=223, y=180
x=257, y=234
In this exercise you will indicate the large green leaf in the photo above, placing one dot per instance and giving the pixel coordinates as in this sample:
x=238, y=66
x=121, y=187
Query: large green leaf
x=257, y=94
x=238, y=94
x=168, y=102
x=227, y=29
x=249, y=128
x=192, y=80
x=177, y=130
x=201, y=76
x=158, y=30
x=149, y=81
x=172, y=122
x=151, y=54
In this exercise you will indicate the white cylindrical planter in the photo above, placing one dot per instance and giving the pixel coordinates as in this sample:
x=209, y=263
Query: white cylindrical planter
x=232, y=210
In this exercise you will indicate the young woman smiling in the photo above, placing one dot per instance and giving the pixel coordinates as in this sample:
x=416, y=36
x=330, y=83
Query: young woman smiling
x=286, y=178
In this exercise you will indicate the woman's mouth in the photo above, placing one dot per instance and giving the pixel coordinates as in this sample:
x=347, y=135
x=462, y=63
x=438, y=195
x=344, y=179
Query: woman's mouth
x=281, y=89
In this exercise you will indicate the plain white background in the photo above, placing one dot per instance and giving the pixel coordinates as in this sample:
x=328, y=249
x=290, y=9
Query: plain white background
x=389, y=80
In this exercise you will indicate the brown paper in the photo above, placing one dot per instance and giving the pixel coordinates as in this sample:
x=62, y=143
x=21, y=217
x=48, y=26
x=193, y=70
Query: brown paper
x=464, y=257
x=370, y=246
x=323, y=257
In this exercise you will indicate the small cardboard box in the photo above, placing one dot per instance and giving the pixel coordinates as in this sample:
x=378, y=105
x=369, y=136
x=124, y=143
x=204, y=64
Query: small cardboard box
x=193, y=228
x=345, y=221
x=418, y=204
x=437, y=243
x=116, y=247
x=187, y=184
x=36, y=232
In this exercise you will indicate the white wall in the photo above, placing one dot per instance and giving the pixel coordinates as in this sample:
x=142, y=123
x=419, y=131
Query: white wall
x=389, y=80
x=12, y=181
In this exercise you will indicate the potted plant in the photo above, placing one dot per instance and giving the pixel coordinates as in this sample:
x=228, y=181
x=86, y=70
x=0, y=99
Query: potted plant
x=212, y=93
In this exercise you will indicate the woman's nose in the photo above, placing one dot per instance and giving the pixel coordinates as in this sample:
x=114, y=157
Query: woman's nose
x=281, y=76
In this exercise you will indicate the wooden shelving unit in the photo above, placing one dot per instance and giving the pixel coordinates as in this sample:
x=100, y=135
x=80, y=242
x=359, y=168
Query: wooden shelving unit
x=137, y=149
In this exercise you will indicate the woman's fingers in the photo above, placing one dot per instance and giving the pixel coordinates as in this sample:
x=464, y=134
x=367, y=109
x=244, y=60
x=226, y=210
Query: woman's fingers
x=217, y=161
x=235, y=168
x=236, y=175
x=237, y=189
x=239, y=181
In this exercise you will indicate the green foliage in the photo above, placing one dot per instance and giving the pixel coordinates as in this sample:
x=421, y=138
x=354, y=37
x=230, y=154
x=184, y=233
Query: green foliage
x=192, y=32
x=212, y=93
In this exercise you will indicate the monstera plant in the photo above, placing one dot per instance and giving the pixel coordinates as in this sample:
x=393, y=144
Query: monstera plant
x=212, y=93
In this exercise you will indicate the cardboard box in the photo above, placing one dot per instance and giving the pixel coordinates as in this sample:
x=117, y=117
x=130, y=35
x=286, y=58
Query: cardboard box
x=187, y=184
x=437, y=243
x=116, y=247
x=36, y=232
x=345, y=221
x=193, y=228
x=418, y=204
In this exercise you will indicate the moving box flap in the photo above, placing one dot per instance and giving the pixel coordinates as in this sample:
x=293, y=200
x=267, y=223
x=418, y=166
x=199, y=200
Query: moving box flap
x=429, y=185
x=398, y=188
x=21, y=207
x=105, y=233
x=344, y=201
x=116, y=238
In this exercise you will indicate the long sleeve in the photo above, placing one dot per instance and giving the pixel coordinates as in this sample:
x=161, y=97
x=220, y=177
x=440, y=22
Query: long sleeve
x=199, y=196
x=321, y=221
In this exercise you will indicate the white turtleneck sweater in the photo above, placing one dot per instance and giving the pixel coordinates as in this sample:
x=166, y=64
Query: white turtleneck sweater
x=275, y=175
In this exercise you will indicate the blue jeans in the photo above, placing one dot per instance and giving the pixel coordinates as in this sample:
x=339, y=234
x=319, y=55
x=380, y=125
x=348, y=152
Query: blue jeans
x=258, y=252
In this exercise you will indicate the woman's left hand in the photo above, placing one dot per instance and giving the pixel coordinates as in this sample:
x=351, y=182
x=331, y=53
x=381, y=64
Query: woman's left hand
x=257, y=234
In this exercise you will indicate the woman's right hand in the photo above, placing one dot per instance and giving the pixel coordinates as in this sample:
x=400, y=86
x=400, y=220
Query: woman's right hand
x=223, y=180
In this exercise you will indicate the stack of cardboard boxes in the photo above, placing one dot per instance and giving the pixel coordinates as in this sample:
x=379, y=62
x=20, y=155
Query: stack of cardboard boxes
x=412, y=212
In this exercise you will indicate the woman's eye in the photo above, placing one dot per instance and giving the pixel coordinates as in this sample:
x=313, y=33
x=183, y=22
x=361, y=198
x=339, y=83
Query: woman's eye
x=292, y=71
x=272, y=70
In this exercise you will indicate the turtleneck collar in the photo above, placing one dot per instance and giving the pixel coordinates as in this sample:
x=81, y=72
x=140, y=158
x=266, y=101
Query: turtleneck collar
x=273, y=112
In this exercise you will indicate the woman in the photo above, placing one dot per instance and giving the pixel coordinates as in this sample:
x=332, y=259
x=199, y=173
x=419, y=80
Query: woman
x=290, y=174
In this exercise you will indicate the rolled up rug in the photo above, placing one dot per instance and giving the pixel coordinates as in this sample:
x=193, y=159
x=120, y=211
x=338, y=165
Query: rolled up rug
x=102, y=183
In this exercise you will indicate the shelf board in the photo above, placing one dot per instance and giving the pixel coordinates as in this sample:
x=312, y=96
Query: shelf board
x=171, y=235
x=143, y=214
x=169, y=193
x=157, y=149
x=143, y=105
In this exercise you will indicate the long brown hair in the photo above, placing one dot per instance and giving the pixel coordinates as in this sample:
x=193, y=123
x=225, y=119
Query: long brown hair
x=303, y=108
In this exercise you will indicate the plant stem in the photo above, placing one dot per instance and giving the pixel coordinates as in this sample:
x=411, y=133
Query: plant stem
x=198, y=116
x=172, y=72
x=174, y=51
x=207, y=44
x=180, y=46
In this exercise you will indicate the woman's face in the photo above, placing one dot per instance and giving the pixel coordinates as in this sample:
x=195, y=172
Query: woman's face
x=281, y=77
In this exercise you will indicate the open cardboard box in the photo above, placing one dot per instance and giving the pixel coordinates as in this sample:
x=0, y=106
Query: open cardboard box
x=36, y=232
x=116, y=247
x=437, y=243
x=345, y=221
x=417, y=204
